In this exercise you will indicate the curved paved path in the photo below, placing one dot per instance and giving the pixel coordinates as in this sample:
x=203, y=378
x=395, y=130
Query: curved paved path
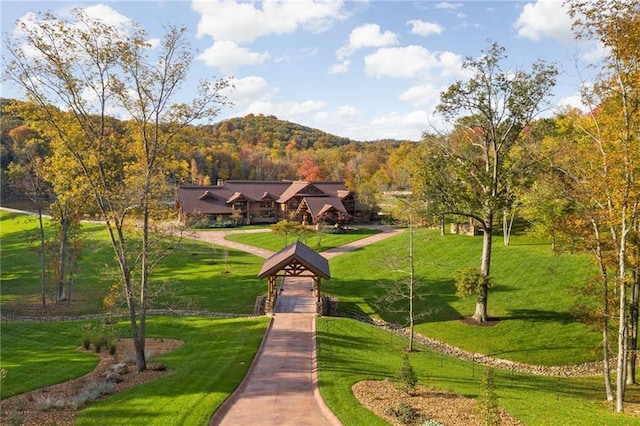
x=219, y=238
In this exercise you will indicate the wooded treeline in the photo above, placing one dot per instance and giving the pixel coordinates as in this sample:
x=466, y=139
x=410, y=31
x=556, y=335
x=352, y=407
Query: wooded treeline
x=254, y=147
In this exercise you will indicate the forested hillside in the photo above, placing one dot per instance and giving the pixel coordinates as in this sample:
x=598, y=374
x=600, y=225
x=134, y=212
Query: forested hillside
x=255, y=147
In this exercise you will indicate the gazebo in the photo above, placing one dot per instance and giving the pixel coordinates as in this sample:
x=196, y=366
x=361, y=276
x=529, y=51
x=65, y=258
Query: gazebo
x=295, y=260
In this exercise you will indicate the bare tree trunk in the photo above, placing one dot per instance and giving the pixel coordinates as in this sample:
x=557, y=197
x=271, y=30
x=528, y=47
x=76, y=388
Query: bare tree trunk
x=621, y=364
x=480, y=314
x=606, y=366
x=43, y=258
x=411, y=284
x=144, y=286
x=62, y=257
x=633, y=331
x=507, y=225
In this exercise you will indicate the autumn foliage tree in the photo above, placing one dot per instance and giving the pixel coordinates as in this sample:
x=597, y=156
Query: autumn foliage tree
x=602, y=170
x=74, y=72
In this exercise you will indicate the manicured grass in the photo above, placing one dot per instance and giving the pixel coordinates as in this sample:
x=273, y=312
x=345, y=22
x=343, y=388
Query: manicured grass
x=194, y=276
x=206, y=369
x=213, y=361
x=318, y=242
x=37, y=355
x=350, y=351
x=531, y=297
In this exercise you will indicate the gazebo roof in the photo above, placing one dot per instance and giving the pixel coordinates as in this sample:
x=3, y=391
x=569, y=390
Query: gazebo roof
x=295, y=259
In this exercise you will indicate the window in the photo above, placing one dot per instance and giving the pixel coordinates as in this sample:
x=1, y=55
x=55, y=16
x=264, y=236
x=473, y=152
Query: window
x=266, y=204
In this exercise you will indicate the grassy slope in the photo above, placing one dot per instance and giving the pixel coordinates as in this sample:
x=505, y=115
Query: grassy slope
x=207, y=369
x=350, y=351
x=33, y=354
x=531, y=297
x=210, y=365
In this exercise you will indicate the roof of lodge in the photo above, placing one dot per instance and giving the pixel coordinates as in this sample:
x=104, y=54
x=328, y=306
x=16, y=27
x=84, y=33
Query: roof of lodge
x=216, y=199
x=296, y=253
x=319, y=205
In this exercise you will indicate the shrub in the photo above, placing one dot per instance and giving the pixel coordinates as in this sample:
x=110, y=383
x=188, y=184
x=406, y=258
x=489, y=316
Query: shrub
x=98, y=334
x=469, y=280
x=112, y=346
x=431, y=422
x=16, y=419
x=405, y=413
x=487, y=404
x=406, y=376
x=91, y=392
x=46, y=403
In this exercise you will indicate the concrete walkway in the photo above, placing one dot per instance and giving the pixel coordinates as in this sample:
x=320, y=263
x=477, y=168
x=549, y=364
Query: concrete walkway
x=219, y=238
x=281, y=387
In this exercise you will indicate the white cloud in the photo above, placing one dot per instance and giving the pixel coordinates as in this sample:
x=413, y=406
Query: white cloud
x=344, y=114
x=340, y=68
x=367, y=35
x=400, y=62
x=412, y=123
x=545, y=18
x=424, y=28
x=108, y=15
x=249, y=89
x=451, y=64
x=421, y=95
x=243, y=22
x=448, y=6
x=596, y=53
x=573, y=101
x=288, y=110
x=228, y=56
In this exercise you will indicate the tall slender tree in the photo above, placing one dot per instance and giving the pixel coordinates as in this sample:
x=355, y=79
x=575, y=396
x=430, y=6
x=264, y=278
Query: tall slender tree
x=613, y=132
x=471, y=172
x=26, y=173
x=76, y=71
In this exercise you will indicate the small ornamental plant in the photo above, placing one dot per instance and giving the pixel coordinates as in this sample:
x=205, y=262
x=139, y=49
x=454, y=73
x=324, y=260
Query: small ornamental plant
x=406, y=376
x=487, y=405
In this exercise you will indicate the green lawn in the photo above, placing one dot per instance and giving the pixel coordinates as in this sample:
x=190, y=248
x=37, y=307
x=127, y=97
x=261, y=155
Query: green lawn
x=194, y=276
x=350, y=351
x=318, y=242
x=41, y=354
x=531, y=297
x=206, y=369
x=213, y=361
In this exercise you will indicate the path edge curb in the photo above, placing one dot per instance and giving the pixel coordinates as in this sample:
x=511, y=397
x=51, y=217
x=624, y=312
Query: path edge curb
x=222, y=410
x=329, y=415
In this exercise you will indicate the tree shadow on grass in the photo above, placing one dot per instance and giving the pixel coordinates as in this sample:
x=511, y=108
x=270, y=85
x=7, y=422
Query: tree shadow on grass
x=432, y=300
x=539, y=315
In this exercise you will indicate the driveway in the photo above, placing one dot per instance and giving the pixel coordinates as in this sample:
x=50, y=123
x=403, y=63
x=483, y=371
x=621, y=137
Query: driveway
x=281, y=387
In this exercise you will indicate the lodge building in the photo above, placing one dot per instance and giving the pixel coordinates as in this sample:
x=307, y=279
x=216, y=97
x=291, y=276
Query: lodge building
x=246, y=202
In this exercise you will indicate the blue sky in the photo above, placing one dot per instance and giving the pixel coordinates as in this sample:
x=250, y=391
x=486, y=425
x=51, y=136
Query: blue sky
x=360, y=69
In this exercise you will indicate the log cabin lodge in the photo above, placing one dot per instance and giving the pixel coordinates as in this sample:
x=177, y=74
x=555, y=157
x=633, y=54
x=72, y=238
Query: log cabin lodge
x=253, y=202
